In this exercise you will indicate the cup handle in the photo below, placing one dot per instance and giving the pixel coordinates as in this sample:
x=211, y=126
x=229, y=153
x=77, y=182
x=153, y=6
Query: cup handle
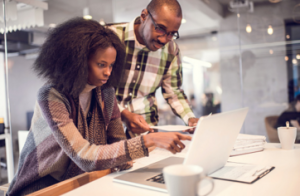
x=212, y=185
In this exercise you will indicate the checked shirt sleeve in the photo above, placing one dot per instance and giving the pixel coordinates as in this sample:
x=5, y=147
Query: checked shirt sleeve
x=172, y=92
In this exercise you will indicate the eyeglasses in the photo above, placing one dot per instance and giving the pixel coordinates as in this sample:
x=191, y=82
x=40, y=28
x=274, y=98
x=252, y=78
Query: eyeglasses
x=160, y=31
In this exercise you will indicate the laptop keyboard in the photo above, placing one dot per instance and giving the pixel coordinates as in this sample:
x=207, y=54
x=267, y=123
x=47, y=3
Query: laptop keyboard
x=158, y=178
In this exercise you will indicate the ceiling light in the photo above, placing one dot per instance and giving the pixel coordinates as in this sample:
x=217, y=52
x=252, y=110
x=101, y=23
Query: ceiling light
x=183, y=20
x=196, y=62
x=86, y=14
x=52, y=25
x=270, y=30
x=295, y=62
x=298, y=56
x=219, y=90
x=286, y=58
x=238, y=15
x=87, y=17
x=271, y=51
x=187, y=66
x=102, y=22
x=248, y=28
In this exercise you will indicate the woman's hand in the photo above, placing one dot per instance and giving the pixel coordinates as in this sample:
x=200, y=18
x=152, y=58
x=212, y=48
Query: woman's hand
x=125, y=166
x=170, y=141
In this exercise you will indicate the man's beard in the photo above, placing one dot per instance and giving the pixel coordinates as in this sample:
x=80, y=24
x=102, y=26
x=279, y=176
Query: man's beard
x=147, y=44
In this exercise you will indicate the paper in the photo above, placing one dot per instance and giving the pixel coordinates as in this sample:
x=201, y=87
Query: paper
x=241, y=172
x=251, y=137
x=241, y=151
x=172, y=127
x=245, y=144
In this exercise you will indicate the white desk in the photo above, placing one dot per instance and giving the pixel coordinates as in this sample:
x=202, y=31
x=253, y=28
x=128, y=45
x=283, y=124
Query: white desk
x=284, y=180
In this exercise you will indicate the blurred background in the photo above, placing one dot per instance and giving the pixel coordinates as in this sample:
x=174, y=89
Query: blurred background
x=236, y=53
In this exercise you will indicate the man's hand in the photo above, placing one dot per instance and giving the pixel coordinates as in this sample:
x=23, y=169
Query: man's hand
x=167, y=140
x=136, y=123
x=192, y=123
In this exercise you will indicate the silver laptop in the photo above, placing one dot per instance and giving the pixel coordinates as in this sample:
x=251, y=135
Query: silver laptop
x=210, y=148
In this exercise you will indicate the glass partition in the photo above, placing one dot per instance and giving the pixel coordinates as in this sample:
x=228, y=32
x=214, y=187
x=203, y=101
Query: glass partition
x=233, y=55
x=6, y=161
x=17, y=17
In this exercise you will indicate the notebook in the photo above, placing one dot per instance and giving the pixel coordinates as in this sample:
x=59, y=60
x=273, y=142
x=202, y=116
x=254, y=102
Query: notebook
x=212, y=143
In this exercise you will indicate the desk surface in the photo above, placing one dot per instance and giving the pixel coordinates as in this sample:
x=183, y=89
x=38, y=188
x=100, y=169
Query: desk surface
x=283, y=180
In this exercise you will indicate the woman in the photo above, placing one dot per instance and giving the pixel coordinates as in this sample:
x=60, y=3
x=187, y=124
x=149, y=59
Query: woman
x=76, y=126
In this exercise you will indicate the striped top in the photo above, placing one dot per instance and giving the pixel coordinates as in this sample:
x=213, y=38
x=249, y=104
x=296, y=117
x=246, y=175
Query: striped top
x=145, y=71
x=60, y=145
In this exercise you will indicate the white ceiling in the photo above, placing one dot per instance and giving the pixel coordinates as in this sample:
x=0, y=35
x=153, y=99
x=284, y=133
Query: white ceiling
x=201, y=17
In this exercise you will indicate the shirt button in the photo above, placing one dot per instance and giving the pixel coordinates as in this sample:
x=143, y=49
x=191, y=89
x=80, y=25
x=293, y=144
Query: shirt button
x=133, y=81
x=125, y=106
x=138, y=66
x=130, y=94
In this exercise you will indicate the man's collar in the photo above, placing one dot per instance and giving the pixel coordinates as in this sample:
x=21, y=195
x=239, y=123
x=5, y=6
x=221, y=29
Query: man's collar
x=130, y=34
x=129, y=30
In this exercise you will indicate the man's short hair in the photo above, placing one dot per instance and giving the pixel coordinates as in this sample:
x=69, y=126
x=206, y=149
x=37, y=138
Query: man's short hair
x=173, y=5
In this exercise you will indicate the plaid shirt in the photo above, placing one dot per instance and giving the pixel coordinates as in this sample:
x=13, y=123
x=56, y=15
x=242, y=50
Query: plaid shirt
x=144, y=72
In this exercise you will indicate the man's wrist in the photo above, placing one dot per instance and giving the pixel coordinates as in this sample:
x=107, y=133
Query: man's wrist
x=191, y=118
x=187, y=117
x=120, y=108
x=124, y=114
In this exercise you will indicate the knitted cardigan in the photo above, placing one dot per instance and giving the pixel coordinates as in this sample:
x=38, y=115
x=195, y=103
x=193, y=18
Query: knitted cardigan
x=60, y=145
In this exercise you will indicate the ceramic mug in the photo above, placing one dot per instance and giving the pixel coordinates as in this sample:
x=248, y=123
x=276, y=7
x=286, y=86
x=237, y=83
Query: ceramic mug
x=185, y=180
x=287, y=137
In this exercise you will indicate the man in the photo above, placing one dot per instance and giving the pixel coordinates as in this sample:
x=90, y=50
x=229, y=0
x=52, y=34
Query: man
x=152, y=60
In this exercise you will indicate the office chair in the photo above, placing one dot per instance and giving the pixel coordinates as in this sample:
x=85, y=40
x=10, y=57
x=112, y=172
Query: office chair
x=270, y=122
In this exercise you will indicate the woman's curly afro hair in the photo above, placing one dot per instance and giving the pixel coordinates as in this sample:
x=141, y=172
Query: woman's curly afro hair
x=63, y=58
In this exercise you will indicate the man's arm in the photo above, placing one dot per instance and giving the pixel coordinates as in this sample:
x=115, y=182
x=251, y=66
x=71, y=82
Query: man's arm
x=136, y=123
x=173, y=94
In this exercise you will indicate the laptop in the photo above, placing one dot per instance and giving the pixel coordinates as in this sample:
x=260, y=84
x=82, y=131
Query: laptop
x=211, y=145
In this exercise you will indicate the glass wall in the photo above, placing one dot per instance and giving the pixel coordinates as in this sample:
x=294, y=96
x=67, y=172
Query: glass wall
x=234, y=55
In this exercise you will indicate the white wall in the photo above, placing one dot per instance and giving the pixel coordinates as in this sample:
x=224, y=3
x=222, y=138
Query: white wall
x=23, y=87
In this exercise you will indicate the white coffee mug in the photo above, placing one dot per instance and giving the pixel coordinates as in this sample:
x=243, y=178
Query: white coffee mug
x=287, y=137
x=184, y=180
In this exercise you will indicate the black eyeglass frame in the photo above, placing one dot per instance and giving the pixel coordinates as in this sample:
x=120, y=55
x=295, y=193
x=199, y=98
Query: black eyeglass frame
x=175, y=35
